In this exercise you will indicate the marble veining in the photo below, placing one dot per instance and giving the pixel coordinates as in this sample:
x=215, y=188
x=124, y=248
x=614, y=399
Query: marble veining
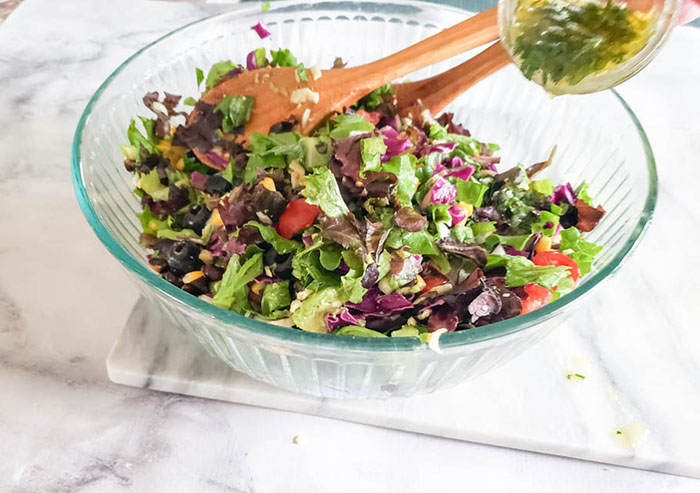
x=63, y=301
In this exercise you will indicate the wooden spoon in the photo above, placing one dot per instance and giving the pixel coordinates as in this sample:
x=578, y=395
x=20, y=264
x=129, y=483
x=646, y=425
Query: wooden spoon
x=279, y=95
x=438, y=91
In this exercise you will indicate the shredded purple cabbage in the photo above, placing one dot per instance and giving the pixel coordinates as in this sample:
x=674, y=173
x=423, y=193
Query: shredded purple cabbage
x=198, y=180
x=442, y=192
x=250, y=61
x=342, y=318
x=563, y=192
x=220, y=162
x=266, y=280
x=375, y=303
x=261, y=30
x=514, y=251
x=443, y=148
x=463, y=173
x=458, y=215
x=455, y=162
x=393, y=302
x=394, y=145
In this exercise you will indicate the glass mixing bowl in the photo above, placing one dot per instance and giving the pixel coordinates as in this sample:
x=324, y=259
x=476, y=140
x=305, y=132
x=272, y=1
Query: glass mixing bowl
x=597, y=136
x=665, y=14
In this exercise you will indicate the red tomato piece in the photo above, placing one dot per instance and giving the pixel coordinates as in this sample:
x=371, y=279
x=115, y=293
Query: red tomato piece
x=556, y=258
x=537, y=297
x=432, y=282
x=298, y=215
x=371, y=116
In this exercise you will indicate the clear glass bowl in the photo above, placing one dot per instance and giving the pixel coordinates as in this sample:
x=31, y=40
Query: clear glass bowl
x=665, y=17
x=598, y=137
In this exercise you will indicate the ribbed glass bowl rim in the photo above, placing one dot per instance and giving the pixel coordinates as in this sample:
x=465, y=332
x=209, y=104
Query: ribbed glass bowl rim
x=345, y=343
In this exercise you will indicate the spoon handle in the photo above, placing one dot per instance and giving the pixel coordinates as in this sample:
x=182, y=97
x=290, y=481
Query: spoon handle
x=475, y=31
x=438, y=91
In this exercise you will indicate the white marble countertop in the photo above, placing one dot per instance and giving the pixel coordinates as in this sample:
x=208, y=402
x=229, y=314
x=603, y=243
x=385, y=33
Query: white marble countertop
x=63, y=300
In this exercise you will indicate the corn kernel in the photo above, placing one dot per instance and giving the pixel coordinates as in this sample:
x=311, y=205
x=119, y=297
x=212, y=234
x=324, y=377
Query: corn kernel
x=544, y=244
x=163, y=146
x=268, y=183
x=257, y=287
x=192, y=276
x=173, y=153
x=205, y=256
x=216, y=218
x=469, y=208
x=180, y=165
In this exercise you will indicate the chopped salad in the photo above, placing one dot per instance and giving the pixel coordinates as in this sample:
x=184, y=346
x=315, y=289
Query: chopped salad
x=377, y=225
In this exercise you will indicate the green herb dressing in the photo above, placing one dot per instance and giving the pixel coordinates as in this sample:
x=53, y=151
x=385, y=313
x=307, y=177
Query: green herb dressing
x=560, y=43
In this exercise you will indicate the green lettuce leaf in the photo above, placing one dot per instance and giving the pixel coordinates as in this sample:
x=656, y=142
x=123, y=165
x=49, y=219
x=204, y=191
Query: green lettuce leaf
x=280, y=244
x=468, y=145
x=437, y=132
x=353, y=260
x=546, y=217
x=518, y=241
x=150, y=223
x=149, y=126
x=583, y=251
x=545, y=186
x=306, y=266
x=372, y=149
x=352, y=286
x=329, y=256
x=582, y=193
x=217, y=71
x=483, y=228
x=404, y=167
x=357, y=331
x=372, y=101
x=441, y=262
x=193, y=164
x=345, y=125
x=322, y=190
x=301, y=73
x=406, y=331
x=521, y=271
x=283, y=58
x=275, y=297
x=463, y=234
x=440, y=213
x=200, y=76
x=313, y=152
x=260, y=58
x=280, y=143
x=171, y=234
x=420, y=242
x=471, y=192
x=137, y=140
x=311, y=314
x=257, y=161
x=233, y=290
x=150, y=183
x=235, y=110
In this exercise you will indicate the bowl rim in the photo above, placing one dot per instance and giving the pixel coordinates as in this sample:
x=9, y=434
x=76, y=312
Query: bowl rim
x=347, y=343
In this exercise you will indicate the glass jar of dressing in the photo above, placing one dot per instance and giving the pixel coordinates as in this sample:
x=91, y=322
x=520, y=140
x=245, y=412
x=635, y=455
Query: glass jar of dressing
x=582, y=46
